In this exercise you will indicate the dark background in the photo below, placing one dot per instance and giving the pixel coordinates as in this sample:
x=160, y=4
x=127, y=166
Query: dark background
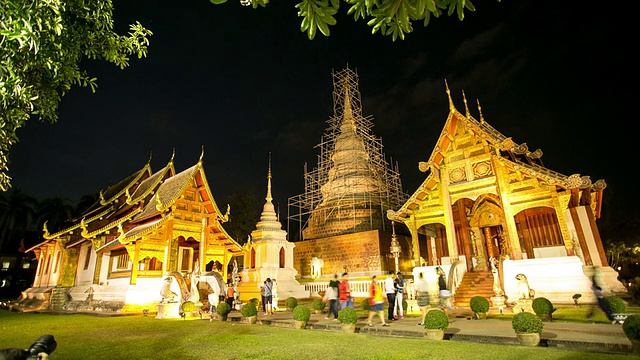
x=242, y=83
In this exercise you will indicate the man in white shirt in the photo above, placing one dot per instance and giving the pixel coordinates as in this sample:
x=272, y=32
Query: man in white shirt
x=391, y=294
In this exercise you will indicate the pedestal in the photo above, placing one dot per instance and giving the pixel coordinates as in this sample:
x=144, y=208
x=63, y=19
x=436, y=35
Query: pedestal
x=523, y=305
x=168, y=310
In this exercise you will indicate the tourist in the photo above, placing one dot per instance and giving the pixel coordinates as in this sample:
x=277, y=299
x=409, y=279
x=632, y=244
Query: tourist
x=274, y=294
x=344, y=292
x=422, y=296
x=444, y=294
x=213, y=299
x=603, y=304
x=391, y=294
x=263, y=299
x=268, y=297
x=376, y=301
x=230, y=294
x=331, y=296
x=400, y=286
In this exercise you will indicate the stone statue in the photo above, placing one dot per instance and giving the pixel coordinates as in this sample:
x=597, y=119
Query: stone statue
x=524, y=291
x=316, y=266
x=497, y=288
x=166, y=293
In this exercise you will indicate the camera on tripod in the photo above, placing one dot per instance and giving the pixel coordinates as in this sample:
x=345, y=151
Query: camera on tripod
x=44, y=344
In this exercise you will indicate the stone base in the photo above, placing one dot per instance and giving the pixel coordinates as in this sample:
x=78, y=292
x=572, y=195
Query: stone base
x=523, y=305
x=498, y=301
x=168, y=311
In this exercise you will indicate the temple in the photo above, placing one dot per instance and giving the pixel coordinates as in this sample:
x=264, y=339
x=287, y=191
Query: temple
x=341, y=216
x=146, y=232
x=487, y=199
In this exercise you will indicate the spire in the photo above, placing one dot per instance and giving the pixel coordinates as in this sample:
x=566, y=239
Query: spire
x=269, y=197
x=466, y=107
x=348, y=112
x=480, y=111
x=451, y=106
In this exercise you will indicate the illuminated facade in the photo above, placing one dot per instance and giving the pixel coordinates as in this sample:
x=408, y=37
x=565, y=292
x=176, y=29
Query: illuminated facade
x=487, y=196
x=116, y=255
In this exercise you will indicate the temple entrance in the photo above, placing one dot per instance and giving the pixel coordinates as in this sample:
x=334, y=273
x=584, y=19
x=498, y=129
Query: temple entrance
x=496, y=245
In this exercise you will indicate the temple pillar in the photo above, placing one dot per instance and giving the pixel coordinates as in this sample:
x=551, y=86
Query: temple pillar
x=450, y=228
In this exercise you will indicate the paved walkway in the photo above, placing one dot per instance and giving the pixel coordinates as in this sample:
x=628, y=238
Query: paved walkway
x=605, y=338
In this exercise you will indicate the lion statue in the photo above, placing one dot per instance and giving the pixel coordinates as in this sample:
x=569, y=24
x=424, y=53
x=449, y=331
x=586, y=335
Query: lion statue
x=524, y=290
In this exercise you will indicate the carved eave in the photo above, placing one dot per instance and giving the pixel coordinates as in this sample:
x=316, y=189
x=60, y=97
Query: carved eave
x=150, y=184
x=111, y=225
x=142, y=230
x=40, y=245
x=77, y=225
x=125, y=185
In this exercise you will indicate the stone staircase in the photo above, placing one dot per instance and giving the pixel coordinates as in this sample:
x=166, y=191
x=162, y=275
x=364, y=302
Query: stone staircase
x=473, y=284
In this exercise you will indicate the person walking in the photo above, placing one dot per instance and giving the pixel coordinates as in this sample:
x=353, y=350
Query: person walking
x=274, y=295
x=400, y=285
x=344, y=292
x=376, y=300
x=389, y=288
x=331, y=295
x=230, y=294
x=263, y=299
x=422, y=296
x=268, y=297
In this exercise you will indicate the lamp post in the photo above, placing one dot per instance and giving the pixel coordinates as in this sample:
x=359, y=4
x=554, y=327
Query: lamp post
x=395, y=246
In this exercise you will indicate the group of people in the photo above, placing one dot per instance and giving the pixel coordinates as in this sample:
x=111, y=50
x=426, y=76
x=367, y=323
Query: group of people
x=338, y=295
x=396, y=287
x=268, y=292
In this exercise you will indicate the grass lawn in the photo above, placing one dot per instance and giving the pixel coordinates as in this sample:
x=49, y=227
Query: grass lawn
x=140, y=337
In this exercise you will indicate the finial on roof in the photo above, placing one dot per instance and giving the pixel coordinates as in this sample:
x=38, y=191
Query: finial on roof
x=150, y=156
x=173, y=155
x=451, y=107
x=466, y=107
x=269, y=197
x=101, y=197
x=480, y=111
x=201, y=154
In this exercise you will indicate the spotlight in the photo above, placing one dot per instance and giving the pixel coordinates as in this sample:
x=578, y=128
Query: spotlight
x=501, y=309
x=145, y=312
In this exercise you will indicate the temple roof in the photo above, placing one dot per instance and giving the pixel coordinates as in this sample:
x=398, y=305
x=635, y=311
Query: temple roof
x=514, y=156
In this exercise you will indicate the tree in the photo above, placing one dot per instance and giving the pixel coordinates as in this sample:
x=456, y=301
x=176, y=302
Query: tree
x=245, y=214
x=57, y=212
x=42, y=44
x=389, y=17
x=16, y=215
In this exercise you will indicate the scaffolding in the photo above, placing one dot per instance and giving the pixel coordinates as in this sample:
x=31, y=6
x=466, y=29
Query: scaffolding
x=353, y=185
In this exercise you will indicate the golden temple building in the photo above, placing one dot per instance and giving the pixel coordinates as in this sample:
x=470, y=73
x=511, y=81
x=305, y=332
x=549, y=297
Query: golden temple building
x=487, y=197
x=143, y=230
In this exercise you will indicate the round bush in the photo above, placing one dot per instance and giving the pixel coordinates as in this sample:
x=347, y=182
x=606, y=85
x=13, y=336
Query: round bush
x=526, y=322
x=255, y=302
x=301, y=313
x=479, y=304
x=436, y=319
x=318, y=304
x=249, y=309
x=347, y=316
x=223, y=309
x=616, y=304
x=291, y=302
x=631, y=327
x=188, y=306
x=542, y=306
x=365, y=305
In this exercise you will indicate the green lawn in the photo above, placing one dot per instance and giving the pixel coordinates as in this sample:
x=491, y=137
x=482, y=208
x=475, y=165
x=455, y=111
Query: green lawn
x=140, y=337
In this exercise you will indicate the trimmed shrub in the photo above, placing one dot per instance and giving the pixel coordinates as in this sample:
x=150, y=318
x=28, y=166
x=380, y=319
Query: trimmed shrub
x=479, y=304
x=542, y=306
x=255, y=302
x=631, y=327
x=249, y=309
x=526, y=322
x=436, y=319
x=365, y=304
x=318, y=304
x=291, y=302
x=616, y=304
x=301, y=313
x=347, y=316
x=188, y=306
x=223, y=309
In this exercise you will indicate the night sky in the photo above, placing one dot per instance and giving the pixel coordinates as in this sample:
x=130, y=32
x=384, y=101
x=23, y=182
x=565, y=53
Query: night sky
x=244, y=82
